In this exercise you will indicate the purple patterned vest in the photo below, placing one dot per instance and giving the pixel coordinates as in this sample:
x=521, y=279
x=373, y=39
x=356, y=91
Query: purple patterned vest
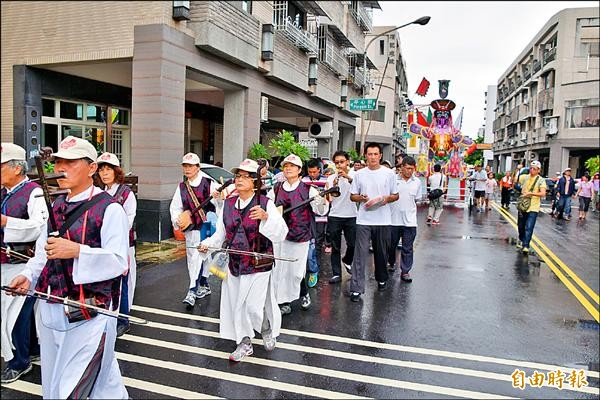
x=300, y=220
x=202, y=191
x=245, y=237
x=121, y=196
x=52, y=275
x=14, y=204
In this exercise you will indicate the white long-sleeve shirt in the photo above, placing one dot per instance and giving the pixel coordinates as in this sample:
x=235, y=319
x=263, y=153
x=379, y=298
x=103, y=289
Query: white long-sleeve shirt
x=19, y=230
x=273, y=228
x=94, y=264
x=318, y=205
x=176, y=206
x=130, y=204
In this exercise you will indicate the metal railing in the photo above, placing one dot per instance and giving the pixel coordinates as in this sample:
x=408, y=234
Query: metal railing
x=356, y=76
x=362, y=16
x=537, y=65
x=334, y=59
x=549, y=55
x=302, y=39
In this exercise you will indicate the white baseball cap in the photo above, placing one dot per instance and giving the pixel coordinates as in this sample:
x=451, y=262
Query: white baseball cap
x=11, y=152
x=108, y=158
x=567, y=169
x=292, y=159
x=191, y=158
x=73, y=148
x=536, y=164
x=247, y=165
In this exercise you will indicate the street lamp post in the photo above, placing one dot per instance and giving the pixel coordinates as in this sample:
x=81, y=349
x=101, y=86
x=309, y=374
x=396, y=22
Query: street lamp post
x=363, y=135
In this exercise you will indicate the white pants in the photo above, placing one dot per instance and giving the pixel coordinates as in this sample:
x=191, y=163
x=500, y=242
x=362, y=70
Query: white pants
x=246, y=302
x=288, y=275
x=131, y=276
x=11, y=307
x=194, y=261
x=67, y=349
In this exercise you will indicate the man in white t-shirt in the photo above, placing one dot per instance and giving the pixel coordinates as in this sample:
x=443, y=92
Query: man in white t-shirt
x=480, y=178
x=373, y=188
x=404, y=216
x=342, y=217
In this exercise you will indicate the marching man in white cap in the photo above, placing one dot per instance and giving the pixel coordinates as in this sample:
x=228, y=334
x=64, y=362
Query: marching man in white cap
x=188, y=195
x=113, y=181
x=84, y=263
x=248, y=222
x=290, y=280
x=23, y=217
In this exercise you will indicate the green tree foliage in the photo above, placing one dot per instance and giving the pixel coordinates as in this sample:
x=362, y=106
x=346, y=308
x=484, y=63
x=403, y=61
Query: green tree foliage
x=476, y=157
x=285, y=144
x=593, y=164
x=257, y=151
x=353, y=154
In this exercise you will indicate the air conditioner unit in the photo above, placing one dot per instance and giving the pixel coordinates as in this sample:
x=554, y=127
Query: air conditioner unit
x=321, y=130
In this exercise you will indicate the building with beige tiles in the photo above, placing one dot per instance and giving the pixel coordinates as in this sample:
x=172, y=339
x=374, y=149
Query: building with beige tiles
x=151, y=80
x=548, y=98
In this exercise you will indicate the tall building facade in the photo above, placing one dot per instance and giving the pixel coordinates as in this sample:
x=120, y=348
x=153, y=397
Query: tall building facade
x=151, y=80
x=548, y=98
x=488, y=123
x=389, y=86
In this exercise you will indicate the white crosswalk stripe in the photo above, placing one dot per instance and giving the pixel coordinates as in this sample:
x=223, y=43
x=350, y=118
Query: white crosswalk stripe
x=145, y=345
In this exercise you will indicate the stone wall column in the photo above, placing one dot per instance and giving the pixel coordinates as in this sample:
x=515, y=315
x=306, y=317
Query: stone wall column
x=241, y=124
x=157, y=127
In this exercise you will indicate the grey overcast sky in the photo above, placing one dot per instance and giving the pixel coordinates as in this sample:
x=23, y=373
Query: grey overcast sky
x=469, y=43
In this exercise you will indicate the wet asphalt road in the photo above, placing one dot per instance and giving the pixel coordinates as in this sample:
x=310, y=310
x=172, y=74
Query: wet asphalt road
x=476, y=311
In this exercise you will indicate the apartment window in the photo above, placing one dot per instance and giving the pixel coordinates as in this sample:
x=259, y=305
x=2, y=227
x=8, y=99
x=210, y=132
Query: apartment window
x=381, y=47
x=377, y=115
x=548, y=80
x=297, y=15
x=588, y=37
x=583, y=113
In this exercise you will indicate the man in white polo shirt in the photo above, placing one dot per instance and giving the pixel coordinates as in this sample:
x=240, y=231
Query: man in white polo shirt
x=373, y=188
x=404, y=215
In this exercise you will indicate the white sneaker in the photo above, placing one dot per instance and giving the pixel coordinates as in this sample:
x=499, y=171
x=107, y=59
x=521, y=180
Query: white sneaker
x=190, y=299
x=243, y=349
x=269, y=342
x=202, y=292
x=519, y=245
x=348, y=267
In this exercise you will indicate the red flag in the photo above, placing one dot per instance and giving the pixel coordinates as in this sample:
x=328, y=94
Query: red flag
x=421, y=120
x=423, y=87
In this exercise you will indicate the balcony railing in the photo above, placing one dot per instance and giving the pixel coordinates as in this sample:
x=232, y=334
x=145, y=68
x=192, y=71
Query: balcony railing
x=514, y=114
x=363, y=17
x=356, y=77
x=302, y=39
x=334, y=59
x=537, y=65
x=527, y=74
x=546, y=99
x=519, y=81
x=549, y=55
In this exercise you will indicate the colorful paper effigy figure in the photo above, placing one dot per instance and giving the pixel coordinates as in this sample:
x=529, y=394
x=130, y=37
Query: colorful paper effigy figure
x=445, y=139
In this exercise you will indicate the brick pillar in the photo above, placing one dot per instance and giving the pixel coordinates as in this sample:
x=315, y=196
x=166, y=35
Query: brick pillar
x=157, y=127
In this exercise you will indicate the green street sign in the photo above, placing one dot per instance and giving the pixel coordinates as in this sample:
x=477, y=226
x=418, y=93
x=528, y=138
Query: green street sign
x=363, y=104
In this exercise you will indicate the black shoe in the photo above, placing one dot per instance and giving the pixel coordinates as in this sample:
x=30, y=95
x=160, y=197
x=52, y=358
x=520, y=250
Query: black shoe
x=381, y=286
x=335, y=279
x=406, y=278
x=392, y=267
x=122, y=329
x=355, y=296
x=9, y=375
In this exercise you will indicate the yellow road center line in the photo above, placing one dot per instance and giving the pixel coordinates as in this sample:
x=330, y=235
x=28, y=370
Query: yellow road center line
x=580, y=297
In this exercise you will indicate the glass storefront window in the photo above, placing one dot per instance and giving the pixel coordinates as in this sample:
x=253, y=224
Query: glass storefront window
x=120, y=116
x=50, y=136
x=96, y=113
x=48, y=108
x=71, y=130
x=71, y=110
